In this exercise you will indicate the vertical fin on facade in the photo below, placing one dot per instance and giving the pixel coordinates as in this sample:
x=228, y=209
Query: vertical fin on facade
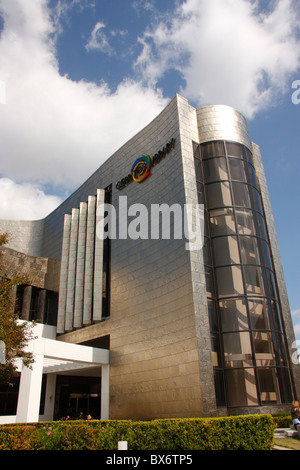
x=81, y=277
x=81, y=248
x=98, y=263
x=89, y=261
x=72, y=270
x=64, y=275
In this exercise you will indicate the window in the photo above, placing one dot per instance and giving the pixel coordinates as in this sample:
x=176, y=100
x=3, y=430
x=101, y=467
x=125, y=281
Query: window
x=233, y=315
x=215, y=169
x=226, y=251
x=218, y=195
x=212, y=149
x=241, y=387
x=229, y=281
x=222, y=222
x=237, y=349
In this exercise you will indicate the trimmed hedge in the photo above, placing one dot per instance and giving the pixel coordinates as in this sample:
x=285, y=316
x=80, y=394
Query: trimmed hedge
x=251, y=432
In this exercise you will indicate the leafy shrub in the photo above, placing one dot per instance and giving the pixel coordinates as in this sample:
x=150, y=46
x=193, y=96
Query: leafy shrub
x=235, y=432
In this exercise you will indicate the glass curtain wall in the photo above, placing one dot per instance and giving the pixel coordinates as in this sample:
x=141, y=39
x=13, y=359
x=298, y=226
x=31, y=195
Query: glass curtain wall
x=249, y=354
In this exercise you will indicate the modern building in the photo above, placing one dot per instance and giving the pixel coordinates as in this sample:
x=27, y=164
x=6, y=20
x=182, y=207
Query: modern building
x=190, y=331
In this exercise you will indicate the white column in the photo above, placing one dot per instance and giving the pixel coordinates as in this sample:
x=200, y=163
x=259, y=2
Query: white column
x=30, y=392
x=79, y=283
x=64, y=275
x=72, y=271
x=98, y=266
x=89, y=261
x=105, y=392
x=50, y=397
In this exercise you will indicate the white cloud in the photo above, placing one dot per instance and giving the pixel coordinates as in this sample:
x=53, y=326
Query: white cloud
x=226, y=51
x=24, y=201
x=53, y=130
x=99, y=41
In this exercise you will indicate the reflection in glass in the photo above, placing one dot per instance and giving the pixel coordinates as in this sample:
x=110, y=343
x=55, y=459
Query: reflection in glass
x=209, y=282
x=237, y=349
x=212, y=149
x=237, y=169
x=212, y=313
x=218, y=195
x=245, y=222
x=258, y=310
x=249, y=250
x=222, y=222
x=229, y=281
x=219, y=387
x=274, y=316
x=198, y=170
x=241, y=387
x=241, y=194
x=235, y=150
x=263, y=349
x=233, y=315
x=268, y=384
x=215, y=169
x=226, y=251
x=279, y=348
x=254, y=280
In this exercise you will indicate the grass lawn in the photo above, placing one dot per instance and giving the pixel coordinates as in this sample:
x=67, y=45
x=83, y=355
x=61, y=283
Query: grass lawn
x=290, y=442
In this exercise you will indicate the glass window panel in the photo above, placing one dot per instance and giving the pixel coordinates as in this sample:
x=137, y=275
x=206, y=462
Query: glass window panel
x=206, y=252
x=236, y=150
x=237, y=349
x=250, y=174
x=280, y=349
x=215, y=169
x=274, y=315
x=216, y=351
x=212, y=313
x=255, y=199
x=284, y=381
x=222, y=222
x=264, y=354
x=209, y=282
x=212, y=149
x=241, y=194
x=241, y=387
x=219, y=387
x=265, y=250
x=249, y=250
x=218, y=195
x=198, y=170
x=200, y=192
x=258, y=310
x=254, y=280
x=248, y=156
x=245, y=222
x=229, y=281
x=270, y=284
x=226, y=251
x=268, y=385
x=233, y=315
x=260, y=226
x=237, y=169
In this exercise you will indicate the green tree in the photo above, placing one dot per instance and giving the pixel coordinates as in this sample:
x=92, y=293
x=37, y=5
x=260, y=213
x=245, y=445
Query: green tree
x=14, y=335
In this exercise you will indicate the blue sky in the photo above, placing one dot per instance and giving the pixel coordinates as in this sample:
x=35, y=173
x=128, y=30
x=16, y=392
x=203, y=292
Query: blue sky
x=78, y=78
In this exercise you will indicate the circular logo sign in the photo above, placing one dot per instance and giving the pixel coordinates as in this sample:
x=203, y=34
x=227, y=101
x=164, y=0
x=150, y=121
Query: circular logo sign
x=141, y=168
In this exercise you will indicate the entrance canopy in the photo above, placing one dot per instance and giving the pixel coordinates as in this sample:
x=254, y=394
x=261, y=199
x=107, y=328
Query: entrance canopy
x=52, y=357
